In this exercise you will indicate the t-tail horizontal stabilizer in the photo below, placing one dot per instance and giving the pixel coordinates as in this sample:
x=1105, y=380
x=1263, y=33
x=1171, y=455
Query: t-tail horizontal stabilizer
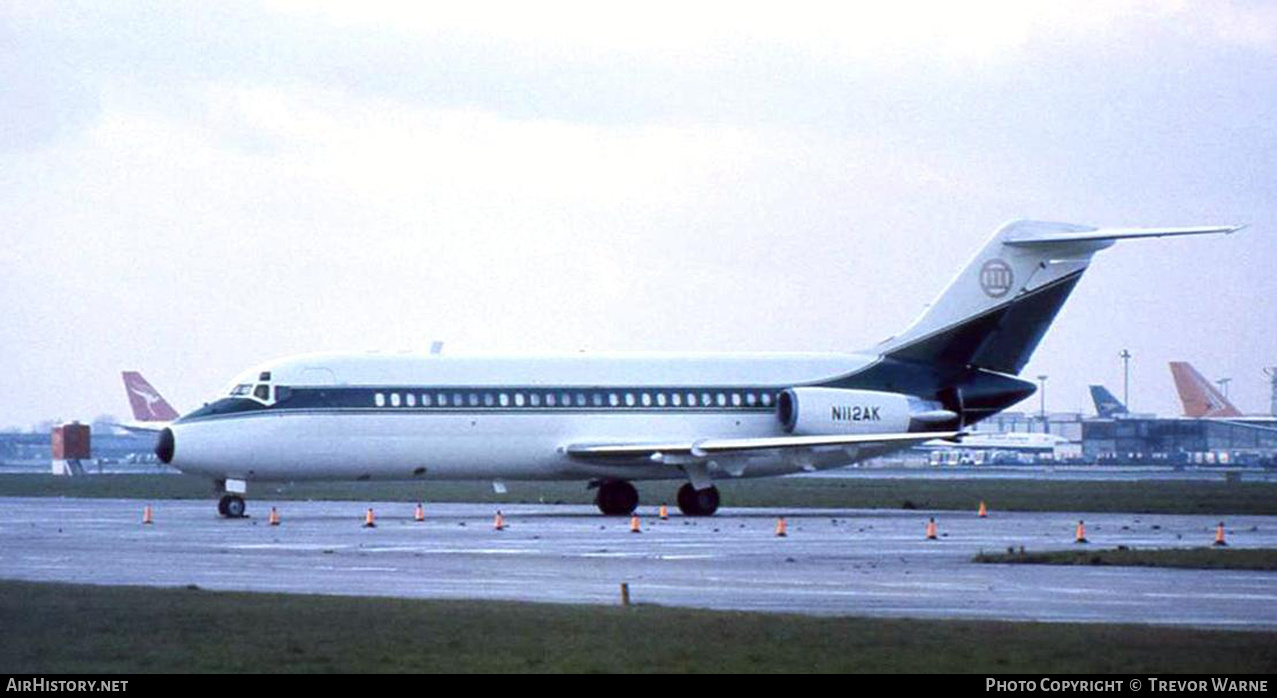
x=995, y=312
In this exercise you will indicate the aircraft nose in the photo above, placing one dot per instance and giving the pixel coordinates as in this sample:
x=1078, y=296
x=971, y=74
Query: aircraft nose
x=164, y=446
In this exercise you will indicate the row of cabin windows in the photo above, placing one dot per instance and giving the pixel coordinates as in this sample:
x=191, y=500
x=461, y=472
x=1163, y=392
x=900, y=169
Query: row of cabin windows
x=564, y=398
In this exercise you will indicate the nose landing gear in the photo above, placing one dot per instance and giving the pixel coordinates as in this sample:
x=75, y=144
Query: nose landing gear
x=231, y=506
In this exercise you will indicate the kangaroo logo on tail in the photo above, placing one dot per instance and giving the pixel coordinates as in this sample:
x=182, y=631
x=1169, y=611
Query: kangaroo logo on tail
x=148, y=405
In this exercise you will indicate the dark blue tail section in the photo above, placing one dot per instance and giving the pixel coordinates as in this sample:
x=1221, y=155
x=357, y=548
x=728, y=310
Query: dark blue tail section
x=1105, y=404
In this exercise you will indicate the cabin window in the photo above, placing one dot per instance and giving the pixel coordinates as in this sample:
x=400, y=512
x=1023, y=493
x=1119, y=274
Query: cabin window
x=767, y=399
x=380, y=400
x=411, y=400
x=629, y=399
x=442, y=399
x=735, y=399
x=534, y=399
x=660, y=399
x=425, y=399
x=722, y=400
x=613, y=399
x=597, y=399
x=473, y=399
x=706, y=401
x=489, y=400
x=691, y=399
x=676, y=399
x=751, y=399
x=394, y=399
x=549, y=400
x=580, y=399
x=647, y=399
x=503, y=399
x=518, y=399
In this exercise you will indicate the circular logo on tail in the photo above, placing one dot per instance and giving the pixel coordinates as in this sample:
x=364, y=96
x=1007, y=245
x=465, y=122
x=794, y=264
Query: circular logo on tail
x=996, y=278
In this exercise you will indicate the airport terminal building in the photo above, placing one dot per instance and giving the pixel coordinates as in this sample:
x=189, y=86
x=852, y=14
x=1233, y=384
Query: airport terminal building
x=1146, y=438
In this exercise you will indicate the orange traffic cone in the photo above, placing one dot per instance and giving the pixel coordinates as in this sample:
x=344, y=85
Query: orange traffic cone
x=274, y=517
x=781, y=528
x=146, y=515
x=1081, y=533
x=368, y=520
x=983, y=513
x=665, y=513
x=1219, y=534
x=634, y=524
x=932, y=529
x=420, y=514
x=498, y=524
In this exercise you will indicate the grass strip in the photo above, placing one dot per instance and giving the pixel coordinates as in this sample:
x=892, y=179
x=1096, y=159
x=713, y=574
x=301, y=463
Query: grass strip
x=59, y=628
x=1141, y=497
x=1186, y=558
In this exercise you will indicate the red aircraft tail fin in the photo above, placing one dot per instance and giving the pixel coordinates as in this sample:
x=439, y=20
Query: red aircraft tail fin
x=147, y=404
x=1199, y=396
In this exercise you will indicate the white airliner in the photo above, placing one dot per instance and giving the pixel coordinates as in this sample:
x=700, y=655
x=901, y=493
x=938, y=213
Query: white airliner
x=609, y=420
x=1001, y=441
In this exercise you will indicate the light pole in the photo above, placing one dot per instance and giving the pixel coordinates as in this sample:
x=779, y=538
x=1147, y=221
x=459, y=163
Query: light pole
x=1126, y=379
x=1042, y=380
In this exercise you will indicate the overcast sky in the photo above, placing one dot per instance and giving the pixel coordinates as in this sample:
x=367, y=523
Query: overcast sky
x=192, y=188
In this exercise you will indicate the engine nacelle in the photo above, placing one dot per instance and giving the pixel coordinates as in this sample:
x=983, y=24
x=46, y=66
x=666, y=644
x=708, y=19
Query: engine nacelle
x=829, y=411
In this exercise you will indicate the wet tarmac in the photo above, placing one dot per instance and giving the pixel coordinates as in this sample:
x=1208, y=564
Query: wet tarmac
x=832, y=562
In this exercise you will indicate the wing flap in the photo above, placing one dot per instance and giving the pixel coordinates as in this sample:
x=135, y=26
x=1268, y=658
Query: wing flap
x=705, y=448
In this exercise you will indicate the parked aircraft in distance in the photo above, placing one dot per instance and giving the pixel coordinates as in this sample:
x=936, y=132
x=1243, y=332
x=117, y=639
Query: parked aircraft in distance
x=1106, y=404
x=151, y=412
x=1202, y=400
x=1014, y=441
x=609, y=420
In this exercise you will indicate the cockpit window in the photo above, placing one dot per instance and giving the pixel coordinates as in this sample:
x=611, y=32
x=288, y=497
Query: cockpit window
x=241, y=390
x=262, y=392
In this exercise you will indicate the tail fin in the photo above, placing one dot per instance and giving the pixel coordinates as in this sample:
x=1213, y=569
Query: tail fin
x=1200, y=398
x=1106, y=405
x=147, y=404
x=999, y=307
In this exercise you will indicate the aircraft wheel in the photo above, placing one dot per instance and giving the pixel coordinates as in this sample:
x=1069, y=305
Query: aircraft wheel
x=616, y=498
x=694, y=502
x=231, y=506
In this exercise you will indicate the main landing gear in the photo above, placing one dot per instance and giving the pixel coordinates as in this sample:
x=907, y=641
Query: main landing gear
x=694, y=502
x=619, y=498
x=616, y=498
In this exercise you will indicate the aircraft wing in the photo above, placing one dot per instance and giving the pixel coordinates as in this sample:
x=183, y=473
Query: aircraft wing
x=141, y=427
x=706, y=448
